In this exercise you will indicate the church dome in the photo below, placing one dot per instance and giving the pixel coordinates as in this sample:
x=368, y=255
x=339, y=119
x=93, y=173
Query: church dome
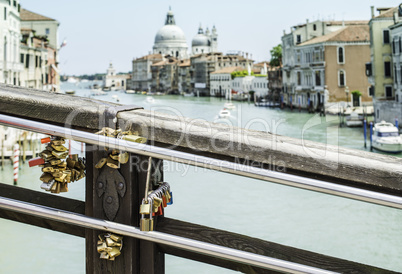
x=170, y=33
x=200, y=40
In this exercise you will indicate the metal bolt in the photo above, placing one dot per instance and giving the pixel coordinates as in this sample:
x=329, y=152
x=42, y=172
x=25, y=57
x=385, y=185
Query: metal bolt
x=100, y=185
x=109, y=200
x=120, y=186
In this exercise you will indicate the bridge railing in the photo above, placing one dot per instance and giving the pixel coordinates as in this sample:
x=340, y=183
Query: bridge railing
x=308, y=165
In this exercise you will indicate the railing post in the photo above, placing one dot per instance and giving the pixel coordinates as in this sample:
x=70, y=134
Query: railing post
x=136, y=256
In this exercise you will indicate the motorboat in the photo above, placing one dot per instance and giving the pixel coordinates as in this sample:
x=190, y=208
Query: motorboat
x=71, y=92
x=150, y=99
x=229, y=105
x=354, y=120
x=130, y=91
x=386, y=137
x=224, y=113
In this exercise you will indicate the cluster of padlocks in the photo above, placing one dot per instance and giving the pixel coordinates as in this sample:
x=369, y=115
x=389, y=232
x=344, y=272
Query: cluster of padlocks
x=153, y=205
x=57, y=173
x=109, y=246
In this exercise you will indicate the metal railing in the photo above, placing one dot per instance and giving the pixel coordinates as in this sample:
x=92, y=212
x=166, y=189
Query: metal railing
x=206, y=162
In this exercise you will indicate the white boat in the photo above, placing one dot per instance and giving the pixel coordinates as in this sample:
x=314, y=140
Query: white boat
x=150, y=99
x=224, y=113
x=230, y=105
x=130, y=91
x=116, y=98
x=354, y=120
x=386, y=137
x=70, y=92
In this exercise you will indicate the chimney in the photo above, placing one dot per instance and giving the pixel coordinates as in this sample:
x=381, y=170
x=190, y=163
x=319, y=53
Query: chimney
x=284, y=32
x=395, y=17
x=372, y=11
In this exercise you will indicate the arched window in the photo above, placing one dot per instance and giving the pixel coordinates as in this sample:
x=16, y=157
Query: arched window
x=341, y=78
x=341, y=57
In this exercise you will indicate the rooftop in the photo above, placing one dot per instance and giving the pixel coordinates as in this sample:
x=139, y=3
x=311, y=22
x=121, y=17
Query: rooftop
x=228, y=70
x=27, y=15
x=358, y=33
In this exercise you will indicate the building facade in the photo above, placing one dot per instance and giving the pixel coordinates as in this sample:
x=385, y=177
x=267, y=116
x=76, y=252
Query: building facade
x=164, y=76
x=205, y=42
x=321, y=71
x=113, y=81
x=10, y=36
x=141, y=78
x=45, y=29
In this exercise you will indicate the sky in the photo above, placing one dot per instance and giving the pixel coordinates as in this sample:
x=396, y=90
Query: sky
x=99, y=32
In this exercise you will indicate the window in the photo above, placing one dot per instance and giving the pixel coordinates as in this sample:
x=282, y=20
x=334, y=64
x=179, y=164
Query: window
x=298, y=39
x=396, y=74
x=341, y=76
x=341, y=58
x=385, y=36
x=299, y=78
x=393, y=46
x=317, y=78
x=5, y=13
x=22, y=58
x=400, y=46
x=388, y=91
x=314, y=27
x=15, y=3
x=36, y=61
x=27, y=61
x=387, y=69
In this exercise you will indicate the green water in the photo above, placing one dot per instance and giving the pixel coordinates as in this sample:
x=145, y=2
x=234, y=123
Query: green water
x=321, y=223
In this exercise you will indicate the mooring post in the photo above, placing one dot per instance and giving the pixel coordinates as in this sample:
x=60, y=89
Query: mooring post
x=371, y=136
x=365, y=132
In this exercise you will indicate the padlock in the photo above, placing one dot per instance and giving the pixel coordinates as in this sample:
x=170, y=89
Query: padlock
x=45, y=140
x=114, y=156
x=58, y=142
x=49, y=169
x=145, y=208
x=60, y=154
x=74, y=157
x=49, y=148
x=134, y=138
x=36, y=161
x=147, y=224
x=114, y=252
x=59, y=148
x=111, y=242
x=46, y=177
x=123, y=157
x=62, y=165
x=47, y=186
x=156, y=203
x=113, y=163
x=46, y=155
x=55, y=162
x=170, y=198
x=101, y=163
x=116, y=238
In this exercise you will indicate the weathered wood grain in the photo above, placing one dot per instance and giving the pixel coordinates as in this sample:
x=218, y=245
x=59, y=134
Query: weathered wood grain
x=361, y=169
x=253, y=245
x=40, y=198
x=183, y=229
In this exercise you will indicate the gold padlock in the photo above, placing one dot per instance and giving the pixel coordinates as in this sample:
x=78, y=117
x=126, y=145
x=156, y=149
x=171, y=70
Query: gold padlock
x=114, y=252
x=46, y=177
x=101, y=163
x=116, y=238
x=60, y=154
x=55, y=162
x=59, y=148
x=48, y=169
x=114, y=156
x=134, y=138
x=123, y=157
x=113, y=163
x=58, y=142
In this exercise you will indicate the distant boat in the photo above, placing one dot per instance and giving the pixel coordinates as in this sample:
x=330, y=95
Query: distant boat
x=230, y=105
x=354, y=120
x=150, y=99
x=386, y=137
x=116, y=98
x=130, y=91
x=70, y=91
x=224, y=113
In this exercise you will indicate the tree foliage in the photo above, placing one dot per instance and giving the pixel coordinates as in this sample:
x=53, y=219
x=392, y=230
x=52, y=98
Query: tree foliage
x=276, y=56
x=241, y=73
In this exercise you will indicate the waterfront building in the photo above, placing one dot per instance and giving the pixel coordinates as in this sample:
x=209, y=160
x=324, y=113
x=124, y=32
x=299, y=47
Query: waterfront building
x=141, y=78
x=10, y=36
x=275, y=85
x=113, y=81
x=202, y=65
x=170, y=39
x=43, y=27
x=322, y=70
x=34, y=56
x=384, y=69
x=184, y=68
x=164, y=76
x=205, y=42
x=221, y=81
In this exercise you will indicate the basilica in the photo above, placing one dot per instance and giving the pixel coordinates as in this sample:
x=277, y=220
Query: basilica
x=173, y=68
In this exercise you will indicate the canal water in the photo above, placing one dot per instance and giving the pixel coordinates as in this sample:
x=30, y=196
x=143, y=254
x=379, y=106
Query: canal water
x=325, y=224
